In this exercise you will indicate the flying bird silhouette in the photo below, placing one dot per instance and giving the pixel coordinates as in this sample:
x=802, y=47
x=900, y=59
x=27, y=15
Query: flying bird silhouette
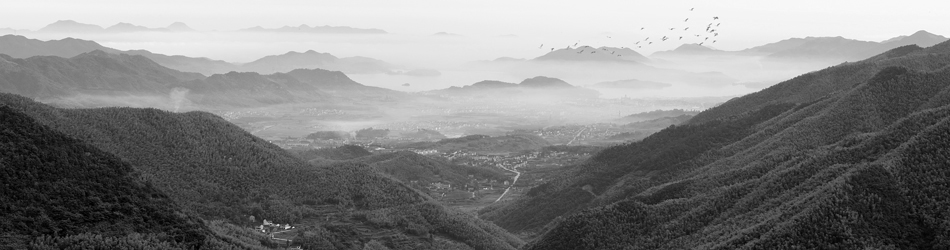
x=715, y=18
x=542, y=45
x=691, y=9
x=687, y=20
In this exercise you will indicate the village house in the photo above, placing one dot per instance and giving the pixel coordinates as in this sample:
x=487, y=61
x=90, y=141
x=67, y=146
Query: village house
x=439, y=185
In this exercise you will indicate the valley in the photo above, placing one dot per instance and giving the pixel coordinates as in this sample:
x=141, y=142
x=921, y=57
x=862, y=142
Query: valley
x=542, y=126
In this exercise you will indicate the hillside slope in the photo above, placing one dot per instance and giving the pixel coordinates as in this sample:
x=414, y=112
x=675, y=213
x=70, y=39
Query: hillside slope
x=94, y=72
x=218, y=170
x=62, y=188
x=99, y=78
x=857, y=166
x=816, y=85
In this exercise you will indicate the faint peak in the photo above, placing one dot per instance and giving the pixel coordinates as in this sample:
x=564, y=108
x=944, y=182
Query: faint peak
x=693, y=47
x=71, y=26
x=921, y=38
x=544, y=82
x=179, y=27
x=443, y=33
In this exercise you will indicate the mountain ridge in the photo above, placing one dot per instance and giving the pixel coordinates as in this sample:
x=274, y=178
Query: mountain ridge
x=772, y=169
x=219, y=170
x=102, y=74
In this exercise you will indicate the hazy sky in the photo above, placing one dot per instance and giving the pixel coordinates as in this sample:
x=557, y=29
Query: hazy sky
x=745, y=23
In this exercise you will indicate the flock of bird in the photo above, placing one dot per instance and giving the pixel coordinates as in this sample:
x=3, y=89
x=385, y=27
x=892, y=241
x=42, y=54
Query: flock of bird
x=711, y=31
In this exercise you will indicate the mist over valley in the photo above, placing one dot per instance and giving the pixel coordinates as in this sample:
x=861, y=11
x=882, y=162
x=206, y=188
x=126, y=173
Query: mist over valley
x=477, y=125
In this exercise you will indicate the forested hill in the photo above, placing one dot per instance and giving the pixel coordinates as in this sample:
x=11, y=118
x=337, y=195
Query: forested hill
x=218, y=170
x=64, y=190
x=91, y=72
x=484, y=143
x=816, y=85
x=340, y=153
x=101, y=75
x=408, y=166
x=862, y=165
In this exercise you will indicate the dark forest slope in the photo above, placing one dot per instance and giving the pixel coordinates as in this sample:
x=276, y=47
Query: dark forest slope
x=218, y=170
x=59, y=187
x=815, y=85
x=853, y=156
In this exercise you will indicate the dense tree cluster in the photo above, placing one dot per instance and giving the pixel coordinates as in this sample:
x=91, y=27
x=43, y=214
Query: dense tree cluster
x=219, y=171
x=329, y=135
x=851, y=157
x=408, y=166
x=66, y=191
x=424, y=134
x=371, y=133
x=484, y=143
x=665, y=153
x=345, y=152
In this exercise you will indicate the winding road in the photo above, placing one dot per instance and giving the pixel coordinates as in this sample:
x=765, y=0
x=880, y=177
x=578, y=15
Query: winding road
x=575, y=136
x=517, y=175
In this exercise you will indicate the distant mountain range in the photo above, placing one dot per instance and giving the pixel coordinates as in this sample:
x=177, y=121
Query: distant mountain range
x=102, y=73
x=303, y=28
x=74, y=27
x=312, y=59
x=810, y=48
x=692, y=49
x=22, y=47
x=536, y=87
x=588, y=53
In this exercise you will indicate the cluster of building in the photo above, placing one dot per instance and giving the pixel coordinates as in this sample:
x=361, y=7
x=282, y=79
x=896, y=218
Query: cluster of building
x=504, y=161
x=425, y=151
x=268, y=227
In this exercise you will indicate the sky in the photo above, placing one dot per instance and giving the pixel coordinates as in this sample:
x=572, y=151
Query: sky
x=488, y=29
x=745, y=23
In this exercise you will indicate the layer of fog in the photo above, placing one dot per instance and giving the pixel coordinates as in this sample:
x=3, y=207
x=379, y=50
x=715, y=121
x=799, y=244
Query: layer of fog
x=176, y=101
x=451, y=55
